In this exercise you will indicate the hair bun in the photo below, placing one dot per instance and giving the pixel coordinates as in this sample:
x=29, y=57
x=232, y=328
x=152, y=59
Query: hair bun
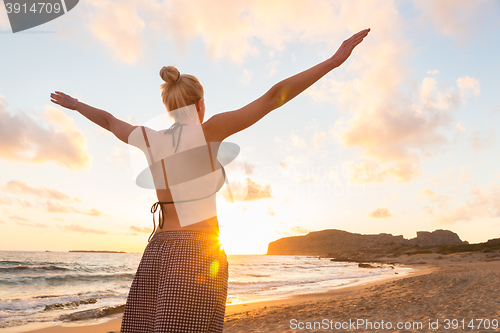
x=169, y=74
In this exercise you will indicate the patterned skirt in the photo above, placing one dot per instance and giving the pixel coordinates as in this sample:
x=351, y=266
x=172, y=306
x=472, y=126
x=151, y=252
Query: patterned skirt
x=180, y=285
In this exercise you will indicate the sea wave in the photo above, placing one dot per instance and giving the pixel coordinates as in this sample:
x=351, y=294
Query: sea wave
x=12, y=262
x=32, y=268
x=56, y=279
x=72, y=304
x=93, y=313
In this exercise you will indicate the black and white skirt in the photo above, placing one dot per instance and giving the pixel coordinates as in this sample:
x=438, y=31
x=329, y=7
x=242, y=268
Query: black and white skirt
x=180, y=285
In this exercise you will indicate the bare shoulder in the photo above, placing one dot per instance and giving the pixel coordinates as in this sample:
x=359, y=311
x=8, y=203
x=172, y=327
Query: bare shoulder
x=209, y=132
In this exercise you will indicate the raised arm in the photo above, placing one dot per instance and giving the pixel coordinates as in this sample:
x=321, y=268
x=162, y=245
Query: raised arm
x=225, y=124
x=106, y=120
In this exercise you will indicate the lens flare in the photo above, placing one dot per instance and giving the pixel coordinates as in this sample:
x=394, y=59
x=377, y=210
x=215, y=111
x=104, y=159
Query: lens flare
x=214, y=268
x=282, y=99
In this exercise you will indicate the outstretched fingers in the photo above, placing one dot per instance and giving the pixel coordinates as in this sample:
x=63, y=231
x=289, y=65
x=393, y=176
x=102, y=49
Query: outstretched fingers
x=358, y=38
x=361, y=34
x=57, y=97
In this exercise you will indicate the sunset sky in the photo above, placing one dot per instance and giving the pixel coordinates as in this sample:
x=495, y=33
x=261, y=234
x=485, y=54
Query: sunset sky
x=402, y=137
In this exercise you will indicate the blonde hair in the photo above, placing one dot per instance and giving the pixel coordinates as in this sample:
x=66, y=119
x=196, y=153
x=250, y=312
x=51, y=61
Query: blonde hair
x=181, y=92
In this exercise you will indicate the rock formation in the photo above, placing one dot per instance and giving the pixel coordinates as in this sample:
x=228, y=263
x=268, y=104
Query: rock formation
x=437, y=237
x=339, y=243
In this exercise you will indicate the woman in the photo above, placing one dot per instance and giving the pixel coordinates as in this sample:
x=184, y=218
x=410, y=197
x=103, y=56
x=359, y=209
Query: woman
x=181, y=281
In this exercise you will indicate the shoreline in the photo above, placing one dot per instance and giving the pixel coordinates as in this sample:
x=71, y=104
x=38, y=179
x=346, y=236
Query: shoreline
x=112, y=323
x=462, y=285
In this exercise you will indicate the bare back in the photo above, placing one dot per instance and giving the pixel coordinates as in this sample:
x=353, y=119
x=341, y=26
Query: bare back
x=171, y=220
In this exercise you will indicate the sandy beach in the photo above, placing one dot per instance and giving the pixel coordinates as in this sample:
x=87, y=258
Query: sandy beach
x=461, y=287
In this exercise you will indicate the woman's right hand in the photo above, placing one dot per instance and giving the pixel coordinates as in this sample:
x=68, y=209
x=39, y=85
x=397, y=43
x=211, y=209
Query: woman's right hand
x=347, y=46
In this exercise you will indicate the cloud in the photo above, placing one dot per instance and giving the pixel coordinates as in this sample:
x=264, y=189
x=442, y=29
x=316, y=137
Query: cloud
x=139, y=229
x=481, y=140
x=117, y=25
x=54, y=138
x=32, y=225
x=380, y=213
x=478, y=140
x=18, y=218
x=95, y=212
x=249, y=167
x=79, y=228
x=461, y=178
x=433, y=71
x=55, y=207
x=271, y=67
x=483, y=203
x=299, y=230
x=246, y=77
x=229, y=29
x=459, y=19
x=392, y=132
x=257, y=191
x=298, y=142
x=5, y=201
x=435, y=197
x=270, y=211
x=296, y=230
x=232, y=30
x=20, y=187
x=301, y=147
x=24, y=203
x=4, y=19
x=468, y=87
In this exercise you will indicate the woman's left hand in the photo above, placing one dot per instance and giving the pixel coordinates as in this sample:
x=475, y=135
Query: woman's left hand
x=64, y=100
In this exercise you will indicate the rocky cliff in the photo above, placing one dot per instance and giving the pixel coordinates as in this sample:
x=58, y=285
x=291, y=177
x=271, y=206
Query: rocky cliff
x=437, y=237
x=339, y=243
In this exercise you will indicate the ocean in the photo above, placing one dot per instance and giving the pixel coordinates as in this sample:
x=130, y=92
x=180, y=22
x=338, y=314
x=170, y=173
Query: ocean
x=38, y=287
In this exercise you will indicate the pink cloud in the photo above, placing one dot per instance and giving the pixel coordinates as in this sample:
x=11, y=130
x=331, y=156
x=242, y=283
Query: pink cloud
x=5, y=201
x=94, y=212
x=459, y=19
x=32, y=225
x=257, y=191
x=380, y=213
x=392, y=131
x=18, y=218
x=52, y=139
x=55, y=207
x=139, y=229
x=296, y=230
x=20, y=187
x=441, y=200
x=79, y=228
x=483, y=203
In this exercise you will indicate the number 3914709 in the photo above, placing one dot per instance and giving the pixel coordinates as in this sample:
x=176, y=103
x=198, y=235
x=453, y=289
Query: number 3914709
x=38, y=7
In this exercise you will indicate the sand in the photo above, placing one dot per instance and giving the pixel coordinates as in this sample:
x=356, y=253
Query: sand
x=461, y=286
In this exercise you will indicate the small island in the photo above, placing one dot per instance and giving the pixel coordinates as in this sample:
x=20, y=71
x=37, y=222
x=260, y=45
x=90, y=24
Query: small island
x=94, y=251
